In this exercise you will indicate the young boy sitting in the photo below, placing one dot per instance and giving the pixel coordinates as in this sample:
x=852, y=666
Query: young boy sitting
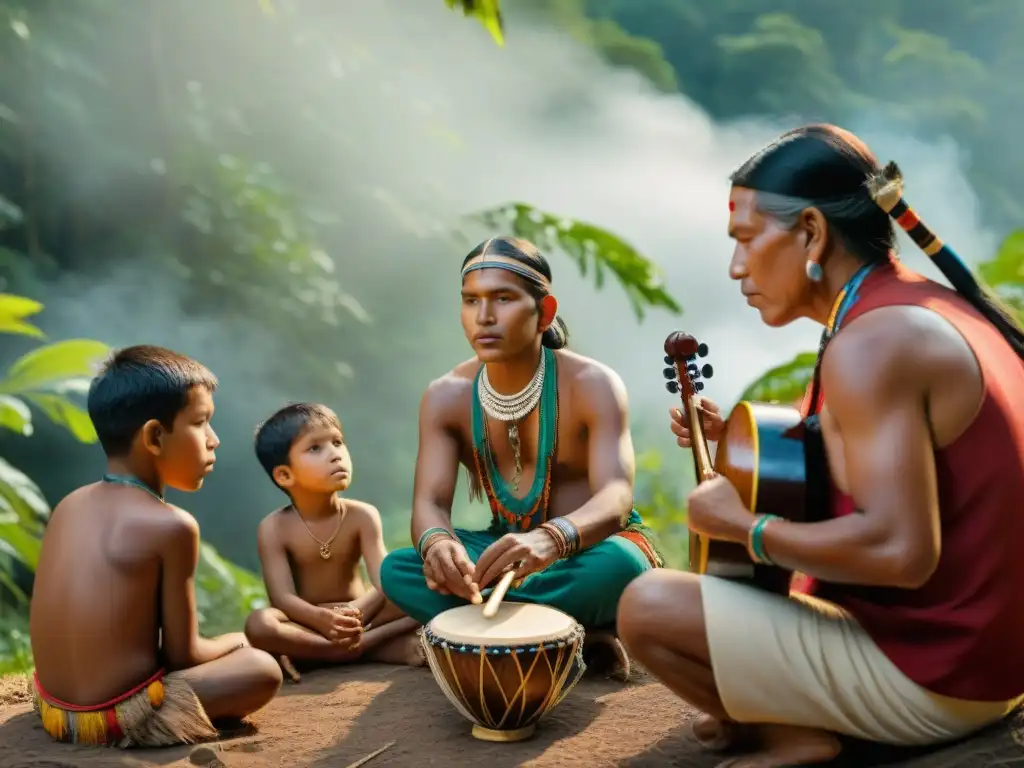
x=322, y=612
x=119, y=660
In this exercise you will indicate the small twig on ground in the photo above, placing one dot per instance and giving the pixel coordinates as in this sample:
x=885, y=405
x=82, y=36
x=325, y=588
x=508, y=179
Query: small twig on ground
x=369, y=757
x=289, y=669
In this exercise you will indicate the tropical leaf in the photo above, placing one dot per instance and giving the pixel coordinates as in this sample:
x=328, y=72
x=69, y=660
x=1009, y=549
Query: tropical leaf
x=7, y=576
x=19, y=544
x=487, y=12
x=65, y=413
x=785, y=383
x=1005, y=272
x=14, y=310
x=78, y=385
x=1007, y=266
x=21, y=496
x=15, y=415
x=592, y=248
x=52, y=364
x=225, y=593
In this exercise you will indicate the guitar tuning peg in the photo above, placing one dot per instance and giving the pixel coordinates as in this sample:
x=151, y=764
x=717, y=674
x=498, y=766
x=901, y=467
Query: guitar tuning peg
x=672, y=386
x=669, y=360
x=698, y=386
x=702, y=350
x=707, y=371
x=691, y=358
x=692, y=371
x=669, y=373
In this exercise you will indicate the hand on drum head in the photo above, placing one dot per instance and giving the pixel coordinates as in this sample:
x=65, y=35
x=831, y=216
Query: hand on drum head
x=526, y=552
x=448, y=570
x=711, y=420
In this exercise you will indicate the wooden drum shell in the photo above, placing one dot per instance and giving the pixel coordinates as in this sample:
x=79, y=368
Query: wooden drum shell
x=504, y=689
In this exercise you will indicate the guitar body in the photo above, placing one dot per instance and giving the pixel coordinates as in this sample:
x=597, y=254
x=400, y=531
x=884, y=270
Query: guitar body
x=774, y=459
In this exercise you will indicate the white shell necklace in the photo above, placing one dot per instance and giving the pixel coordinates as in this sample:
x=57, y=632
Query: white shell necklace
x=512, y=409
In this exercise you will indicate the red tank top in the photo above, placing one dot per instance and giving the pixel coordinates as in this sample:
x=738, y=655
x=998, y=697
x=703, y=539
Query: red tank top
x=961, y=634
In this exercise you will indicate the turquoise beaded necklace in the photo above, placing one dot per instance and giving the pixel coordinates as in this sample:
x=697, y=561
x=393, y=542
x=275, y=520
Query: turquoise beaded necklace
x=132, y=481
x=519, y=513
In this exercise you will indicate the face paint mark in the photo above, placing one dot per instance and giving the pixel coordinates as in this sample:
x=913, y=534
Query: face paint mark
x=732, y=206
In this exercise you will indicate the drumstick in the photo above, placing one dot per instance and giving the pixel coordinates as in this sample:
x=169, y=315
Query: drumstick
x=499, y=592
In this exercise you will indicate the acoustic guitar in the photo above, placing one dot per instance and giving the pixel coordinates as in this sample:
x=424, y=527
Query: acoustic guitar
x=764, y=452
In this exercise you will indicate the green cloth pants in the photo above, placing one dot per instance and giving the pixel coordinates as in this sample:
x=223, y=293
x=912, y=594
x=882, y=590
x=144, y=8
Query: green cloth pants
x=586, y=586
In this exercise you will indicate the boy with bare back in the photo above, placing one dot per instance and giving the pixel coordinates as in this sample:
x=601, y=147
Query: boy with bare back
x=119, y=660
x=322, y=613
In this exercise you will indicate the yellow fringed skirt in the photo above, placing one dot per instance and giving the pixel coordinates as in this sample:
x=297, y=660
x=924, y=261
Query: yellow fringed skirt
x=162, y=711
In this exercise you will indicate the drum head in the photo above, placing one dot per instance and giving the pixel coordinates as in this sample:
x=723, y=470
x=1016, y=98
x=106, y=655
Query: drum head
x=513, y=624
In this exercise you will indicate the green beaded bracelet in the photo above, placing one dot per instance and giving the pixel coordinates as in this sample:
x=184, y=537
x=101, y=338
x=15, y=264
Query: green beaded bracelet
x=756, y=543
x=427, y=534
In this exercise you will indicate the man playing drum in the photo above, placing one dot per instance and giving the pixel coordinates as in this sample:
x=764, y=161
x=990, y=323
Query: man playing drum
x=545, y=437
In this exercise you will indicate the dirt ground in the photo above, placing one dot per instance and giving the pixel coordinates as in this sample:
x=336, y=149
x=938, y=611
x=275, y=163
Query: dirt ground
x=336, y=717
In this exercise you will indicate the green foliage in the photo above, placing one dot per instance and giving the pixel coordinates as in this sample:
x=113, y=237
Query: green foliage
x=1005, y=272
x=660, y=498
x=225, y=593
x=791, y=56
x=606, y=37
x=487, y=12
x=946, y=68
x=13, y=313
x=590, y=247
x=784, y=383
x=15, y=646
x=43, y=377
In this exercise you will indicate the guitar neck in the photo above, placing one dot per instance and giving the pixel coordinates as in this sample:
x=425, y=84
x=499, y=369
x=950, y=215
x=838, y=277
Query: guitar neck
x=701, y=455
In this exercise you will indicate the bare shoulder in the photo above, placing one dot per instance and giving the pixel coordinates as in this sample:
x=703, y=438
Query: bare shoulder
x=271, y=524
x=179, y=529
x=363, y=513
x=77, y=499
x=885, y=349
x=445, y=397
x=595, y=383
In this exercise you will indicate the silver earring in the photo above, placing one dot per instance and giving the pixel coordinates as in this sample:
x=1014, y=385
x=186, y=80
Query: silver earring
x=814, y=271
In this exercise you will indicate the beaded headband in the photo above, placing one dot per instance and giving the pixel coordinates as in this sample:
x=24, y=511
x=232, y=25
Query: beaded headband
x=496, y=261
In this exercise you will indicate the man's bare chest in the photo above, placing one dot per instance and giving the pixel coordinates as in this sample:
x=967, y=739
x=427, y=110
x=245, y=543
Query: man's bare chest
x=526, y=447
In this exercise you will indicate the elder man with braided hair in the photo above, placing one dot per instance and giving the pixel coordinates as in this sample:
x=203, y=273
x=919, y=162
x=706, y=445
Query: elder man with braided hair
x=911, y=628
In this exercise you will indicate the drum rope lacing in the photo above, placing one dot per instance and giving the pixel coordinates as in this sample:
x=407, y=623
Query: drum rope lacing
x=559, y=688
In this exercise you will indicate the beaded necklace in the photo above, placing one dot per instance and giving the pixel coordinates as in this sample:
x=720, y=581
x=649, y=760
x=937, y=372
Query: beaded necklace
x=133, y=481
x=847, y=297
x=514, y=512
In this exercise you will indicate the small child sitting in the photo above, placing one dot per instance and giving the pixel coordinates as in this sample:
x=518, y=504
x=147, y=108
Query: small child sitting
x=321, y=611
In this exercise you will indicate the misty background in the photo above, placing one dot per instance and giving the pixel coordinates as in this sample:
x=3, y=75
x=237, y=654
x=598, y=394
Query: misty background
x=286, y=196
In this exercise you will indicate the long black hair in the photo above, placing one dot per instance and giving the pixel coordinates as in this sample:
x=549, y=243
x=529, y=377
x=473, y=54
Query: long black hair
x=827, y=168
x=526, y=253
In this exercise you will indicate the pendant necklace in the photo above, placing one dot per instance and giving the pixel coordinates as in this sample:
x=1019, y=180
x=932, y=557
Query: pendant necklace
x=325, y=546
x=511, y=409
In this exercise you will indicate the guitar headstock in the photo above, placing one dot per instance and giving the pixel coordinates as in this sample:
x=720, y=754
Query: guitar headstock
x=684, y=376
